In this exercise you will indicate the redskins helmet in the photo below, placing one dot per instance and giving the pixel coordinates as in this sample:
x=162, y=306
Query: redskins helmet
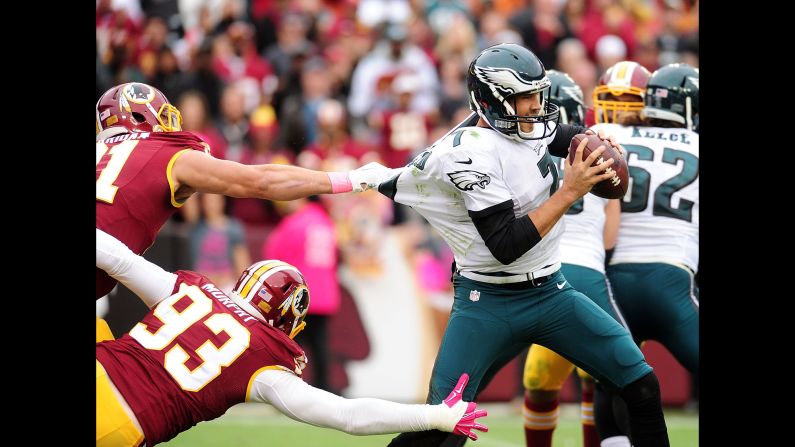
x=274, y=292
x=500, y=72
x=623, y=78
x=672, y=97
x=567, y=95
x=135, y=107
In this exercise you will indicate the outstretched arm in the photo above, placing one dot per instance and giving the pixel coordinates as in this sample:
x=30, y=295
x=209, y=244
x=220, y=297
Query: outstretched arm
x=365, y=416
x=198, y=171
x=147, y=280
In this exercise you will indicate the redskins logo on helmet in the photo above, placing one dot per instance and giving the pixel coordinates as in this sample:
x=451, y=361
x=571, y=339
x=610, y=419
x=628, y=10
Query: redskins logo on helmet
x=138, y=93
x=135, y=107
x=621, y=89
x=274, y=292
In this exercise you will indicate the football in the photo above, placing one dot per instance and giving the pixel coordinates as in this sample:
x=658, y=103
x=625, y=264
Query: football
x=613, y=188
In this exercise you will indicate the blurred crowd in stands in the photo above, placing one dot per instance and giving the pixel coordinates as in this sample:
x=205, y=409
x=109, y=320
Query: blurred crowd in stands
x=334, y=84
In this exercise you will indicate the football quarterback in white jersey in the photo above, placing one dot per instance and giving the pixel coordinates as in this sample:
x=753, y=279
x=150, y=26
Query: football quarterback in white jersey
x=491, y=190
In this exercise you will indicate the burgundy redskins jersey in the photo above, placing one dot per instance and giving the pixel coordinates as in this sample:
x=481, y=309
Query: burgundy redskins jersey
x=192, y=357
x=134, y=194
x=404, y=132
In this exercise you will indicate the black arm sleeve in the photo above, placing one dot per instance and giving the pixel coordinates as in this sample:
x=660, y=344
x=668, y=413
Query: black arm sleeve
x=506, y=237
x=559, y=146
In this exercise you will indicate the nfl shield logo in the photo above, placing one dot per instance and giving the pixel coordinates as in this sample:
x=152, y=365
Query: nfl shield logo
x=474, y=295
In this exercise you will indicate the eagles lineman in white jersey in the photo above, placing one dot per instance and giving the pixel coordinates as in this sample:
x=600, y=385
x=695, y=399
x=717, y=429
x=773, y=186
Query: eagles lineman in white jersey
x=491, y=191
x=591, y=228
x=656, y=256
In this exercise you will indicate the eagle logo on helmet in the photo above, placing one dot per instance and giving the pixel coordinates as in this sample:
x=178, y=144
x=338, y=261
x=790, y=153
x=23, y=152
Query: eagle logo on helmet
x=574, y=93
x=505, y=82
x=467, y=180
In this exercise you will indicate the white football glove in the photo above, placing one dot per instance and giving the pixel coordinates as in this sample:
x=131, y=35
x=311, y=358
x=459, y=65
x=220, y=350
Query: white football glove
x=371, y=175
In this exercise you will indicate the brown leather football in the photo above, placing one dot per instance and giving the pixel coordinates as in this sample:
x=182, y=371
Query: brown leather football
x=613, y=188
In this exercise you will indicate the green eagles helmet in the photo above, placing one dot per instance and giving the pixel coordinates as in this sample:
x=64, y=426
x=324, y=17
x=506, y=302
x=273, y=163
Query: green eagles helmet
x=672, y=95
x=501, y=71
x=567, y=95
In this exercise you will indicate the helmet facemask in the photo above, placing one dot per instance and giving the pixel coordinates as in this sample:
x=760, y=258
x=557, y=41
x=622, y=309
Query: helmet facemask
x=618, y=108
x=169, y=118
x=297, y=305
x=609, y=108
x=543, y=124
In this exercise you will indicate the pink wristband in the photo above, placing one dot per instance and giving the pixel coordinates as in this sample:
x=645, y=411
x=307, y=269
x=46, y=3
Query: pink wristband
x=340, y=182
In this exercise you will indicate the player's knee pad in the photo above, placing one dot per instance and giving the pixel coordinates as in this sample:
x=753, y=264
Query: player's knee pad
x=646, y=420
x=545, y=370
x=644, y=389
x=103, y=331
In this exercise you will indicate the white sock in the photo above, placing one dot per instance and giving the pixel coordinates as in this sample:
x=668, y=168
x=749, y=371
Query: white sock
x=616, y=441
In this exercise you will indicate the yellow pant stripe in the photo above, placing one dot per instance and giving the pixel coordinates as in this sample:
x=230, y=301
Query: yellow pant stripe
x=103, y=331
x=114, y=427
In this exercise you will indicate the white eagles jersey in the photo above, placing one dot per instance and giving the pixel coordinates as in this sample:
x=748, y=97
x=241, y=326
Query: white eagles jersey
x=472, y=169
x=659, y=214
x=583, y=240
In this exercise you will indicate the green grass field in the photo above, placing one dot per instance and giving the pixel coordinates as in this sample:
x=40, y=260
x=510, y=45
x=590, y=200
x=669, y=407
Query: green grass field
x=261, y=426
